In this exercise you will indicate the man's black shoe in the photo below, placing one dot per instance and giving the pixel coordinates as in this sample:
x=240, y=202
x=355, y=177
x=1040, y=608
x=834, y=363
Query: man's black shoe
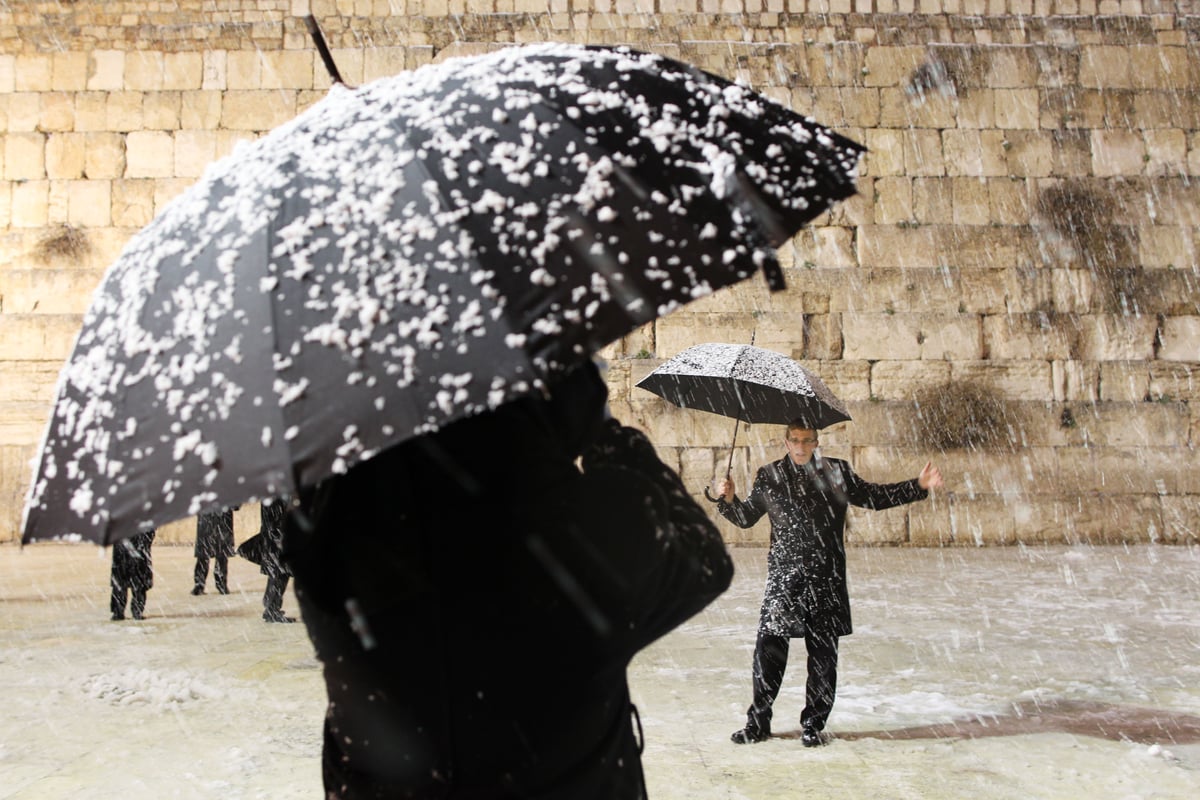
x=811, y=737
x=749, y=736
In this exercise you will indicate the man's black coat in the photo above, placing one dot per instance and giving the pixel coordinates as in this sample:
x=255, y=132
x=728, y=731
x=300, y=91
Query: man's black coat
x=806, y=565
x=504, y=591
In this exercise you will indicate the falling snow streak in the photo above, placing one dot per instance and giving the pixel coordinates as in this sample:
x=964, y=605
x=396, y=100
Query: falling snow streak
x=406, y=254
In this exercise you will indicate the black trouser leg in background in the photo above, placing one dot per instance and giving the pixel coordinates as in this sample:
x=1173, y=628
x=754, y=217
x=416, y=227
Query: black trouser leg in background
x=273, y=595
x=770, y=662
x=120, y=596
x=821, y=687
x=221, y=574
x=137, y=606
x=200, y=576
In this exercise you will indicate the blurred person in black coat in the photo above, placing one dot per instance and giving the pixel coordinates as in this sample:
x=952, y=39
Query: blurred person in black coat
x=272, y=513
x=214, y=541
x=265, y=549
x=476, y=595
x=805, y=497
x=132, y=571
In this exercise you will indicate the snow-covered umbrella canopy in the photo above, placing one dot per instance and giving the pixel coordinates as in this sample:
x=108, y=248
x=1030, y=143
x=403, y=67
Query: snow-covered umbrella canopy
x=746, y=383
x=402, y=255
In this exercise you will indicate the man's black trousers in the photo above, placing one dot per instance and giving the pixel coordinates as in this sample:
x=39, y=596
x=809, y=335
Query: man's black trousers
x=770, y=662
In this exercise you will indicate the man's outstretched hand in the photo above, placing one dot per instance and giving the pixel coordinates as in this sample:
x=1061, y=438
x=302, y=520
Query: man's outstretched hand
x=930, y=477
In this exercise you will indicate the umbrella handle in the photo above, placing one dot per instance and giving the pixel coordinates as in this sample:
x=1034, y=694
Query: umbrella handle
x=729, y=466
x=314, y=30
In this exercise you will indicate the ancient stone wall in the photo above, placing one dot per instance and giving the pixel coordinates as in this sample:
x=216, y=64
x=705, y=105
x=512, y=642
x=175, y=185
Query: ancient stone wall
x=1014, y=293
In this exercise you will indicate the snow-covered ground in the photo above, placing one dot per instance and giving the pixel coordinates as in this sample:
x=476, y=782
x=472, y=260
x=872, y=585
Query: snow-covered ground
x=1061, y=672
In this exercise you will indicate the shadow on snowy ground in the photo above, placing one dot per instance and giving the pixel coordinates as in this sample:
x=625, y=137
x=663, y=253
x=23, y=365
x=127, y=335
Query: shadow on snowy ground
x=1119, y=723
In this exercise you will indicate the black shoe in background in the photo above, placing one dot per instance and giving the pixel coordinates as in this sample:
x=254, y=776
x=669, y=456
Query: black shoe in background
x=749, y=736
x=811, y=737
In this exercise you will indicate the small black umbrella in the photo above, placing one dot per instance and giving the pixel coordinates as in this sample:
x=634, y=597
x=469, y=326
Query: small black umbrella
x=406, y=254
x=748, y=383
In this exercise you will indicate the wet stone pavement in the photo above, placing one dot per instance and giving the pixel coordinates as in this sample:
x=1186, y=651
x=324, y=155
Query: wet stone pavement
x=1023, y=672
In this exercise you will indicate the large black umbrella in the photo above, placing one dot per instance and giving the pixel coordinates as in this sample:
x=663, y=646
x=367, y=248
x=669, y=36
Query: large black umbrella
x=747, y=383
x=406, y=254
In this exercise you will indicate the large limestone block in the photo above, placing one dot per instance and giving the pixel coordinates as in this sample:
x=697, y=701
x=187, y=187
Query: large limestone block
x=898, y=108
x=822, y=337
x=911, y=336
x=89, y=203
x=848, y=380
x=983, y=520
x=57, y=112
x=824, y=246
x=963, y=151
x=893, y=200
x=1166, y=152
x=15, y=474
x=1012, y=67
x=885, y=152
x=1180, y=337
x=91, y=112
x=1026, y=336
x=287, y=69
x=105, y=70
x=383, y=62
x=923, y=153
x=201, y=110
x=34, y=72
x=1016, y=109
x=1181, y=519
x=24, y=156
x=132, y=203
x=1125, y=381
x=1117, y=152
x=877, y=424
x=256, y=110
x=1111, y=519
x=149, y=154
x=1156, y=67
x=161, y=111
x=891, y=66
x=37, y=336
x=873, y=337
x=24, y=111
x=1133, y=425
x=66, y=156
x=899, y=380
x=23, y=423
x=865, y=527
x=1120, y=470
x=1030, y=153
x=194, y=151
x=47, y=291
x=677, y=332
x=1173, y=382
x=977, y=110
x=1116, y=338
x=1105, y=67
x=1169, y=246
x=30, y=204
x=29, y=382
x=1013, y=379
x=1075, y=381
x=971, y=202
